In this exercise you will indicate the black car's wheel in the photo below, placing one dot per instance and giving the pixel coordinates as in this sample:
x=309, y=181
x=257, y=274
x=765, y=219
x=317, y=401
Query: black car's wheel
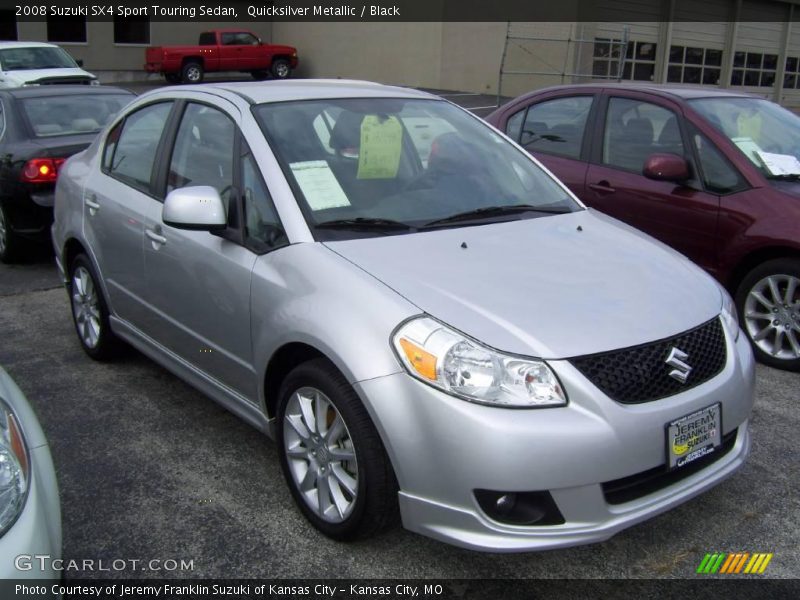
x=768, y=301
x=281, y=69
x=90, y=311
x=331, y=455
x=172, y=78
x=259, y=75
x=9, y=241
x=192, y=72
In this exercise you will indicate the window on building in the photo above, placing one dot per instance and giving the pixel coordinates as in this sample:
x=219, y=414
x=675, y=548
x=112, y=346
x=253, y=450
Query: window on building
x=8, y=25
x=689, y=64
x=791, y=79
x=132, y=30
x=754, y=69
x=639, y=62
x=66, y=29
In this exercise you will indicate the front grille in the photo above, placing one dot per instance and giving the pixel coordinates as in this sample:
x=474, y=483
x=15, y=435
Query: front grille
x=63, y=81
x=641, y=484
x=641, y=374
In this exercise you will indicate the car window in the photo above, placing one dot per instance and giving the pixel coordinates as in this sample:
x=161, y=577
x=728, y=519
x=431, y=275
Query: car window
x=239, y=38
x=514, y=125
x=556, y=126
x=719, y=176
x=131, y=147
x=74, y=114
x=204, y=151
x=634, y=130
x=263, y=229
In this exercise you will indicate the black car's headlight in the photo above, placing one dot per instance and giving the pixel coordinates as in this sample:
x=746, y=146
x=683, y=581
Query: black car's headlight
x=454, y=363
x=14, y=468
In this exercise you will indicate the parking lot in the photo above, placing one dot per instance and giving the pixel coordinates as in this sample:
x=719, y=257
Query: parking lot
x=150, y=469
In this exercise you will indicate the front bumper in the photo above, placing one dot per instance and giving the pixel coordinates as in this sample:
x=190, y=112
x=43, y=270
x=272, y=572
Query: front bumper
x=444, y=448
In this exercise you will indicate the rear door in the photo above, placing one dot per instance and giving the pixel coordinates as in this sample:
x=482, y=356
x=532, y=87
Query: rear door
x=554, y=130
x=682, y=215
x=117, y=199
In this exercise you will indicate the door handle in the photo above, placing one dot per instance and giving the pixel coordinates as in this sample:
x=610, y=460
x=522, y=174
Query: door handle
x=91, y=204
x=602, y=187
x=155, y=237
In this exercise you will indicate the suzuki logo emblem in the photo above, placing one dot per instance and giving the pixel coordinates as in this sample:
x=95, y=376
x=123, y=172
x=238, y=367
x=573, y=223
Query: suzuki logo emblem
x=681, y=369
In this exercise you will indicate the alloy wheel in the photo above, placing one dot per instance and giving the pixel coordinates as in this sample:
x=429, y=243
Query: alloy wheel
x=320, y=454
x=772, y=316
x=85, y=307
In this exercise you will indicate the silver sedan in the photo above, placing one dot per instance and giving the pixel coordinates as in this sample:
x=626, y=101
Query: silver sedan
x=432, y=327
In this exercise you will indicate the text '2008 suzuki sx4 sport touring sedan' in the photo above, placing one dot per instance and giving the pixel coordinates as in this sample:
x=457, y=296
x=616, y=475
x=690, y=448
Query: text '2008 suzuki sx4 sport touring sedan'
x=428, y=323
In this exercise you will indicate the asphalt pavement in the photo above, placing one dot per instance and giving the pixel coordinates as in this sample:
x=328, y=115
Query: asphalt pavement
x=150, y=469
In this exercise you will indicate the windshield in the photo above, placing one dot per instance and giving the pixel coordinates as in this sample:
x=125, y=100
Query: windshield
x=35, y=57
x=74, y=114
x=394, y=165
x=767, y=134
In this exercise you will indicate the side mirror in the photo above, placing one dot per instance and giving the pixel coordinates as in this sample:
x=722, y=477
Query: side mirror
x=79, y=62
x=199, y=208
x=666, y=167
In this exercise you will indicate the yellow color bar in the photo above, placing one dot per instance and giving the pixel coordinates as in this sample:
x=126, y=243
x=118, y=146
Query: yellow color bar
x=764, y=564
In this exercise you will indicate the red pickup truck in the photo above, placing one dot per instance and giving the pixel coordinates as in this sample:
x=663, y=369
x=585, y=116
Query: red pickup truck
x=221, y=50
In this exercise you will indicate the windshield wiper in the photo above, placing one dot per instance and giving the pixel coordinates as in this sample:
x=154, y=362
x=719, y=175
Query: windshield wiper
x=785, y=177
x=493, y=211
x=364, y=223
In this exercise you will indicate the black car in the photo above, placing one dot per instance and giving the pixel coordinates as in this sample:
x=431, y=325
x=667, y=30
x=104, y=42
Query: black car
x=40, y=127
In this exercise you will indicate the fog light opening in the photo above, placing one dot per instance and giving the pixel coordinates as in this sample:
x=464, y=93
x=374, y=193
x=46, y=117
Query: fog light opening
x=519, y=508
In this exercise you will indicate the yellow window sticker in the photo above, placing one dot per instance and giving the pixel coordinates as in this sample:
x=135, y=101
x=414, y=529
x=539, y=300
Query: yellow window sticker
x=381, y=146
x=320, y=186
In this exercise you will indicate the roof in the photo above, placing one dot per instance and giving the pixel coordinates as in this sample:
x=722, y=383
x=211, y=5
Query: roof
x=4, y=45
x=38, y=91
x=260, y=92
x=680, y=91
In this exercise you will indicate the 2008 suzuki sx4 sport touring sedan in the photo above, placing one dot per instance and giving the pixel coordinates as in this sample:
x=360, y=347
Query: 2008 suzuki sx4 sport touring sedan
x=429, y=324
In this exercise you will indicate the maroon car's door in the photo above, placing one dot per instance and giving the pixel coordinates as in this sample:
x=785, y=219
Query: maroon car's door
x=682, y=215
x=554, y=129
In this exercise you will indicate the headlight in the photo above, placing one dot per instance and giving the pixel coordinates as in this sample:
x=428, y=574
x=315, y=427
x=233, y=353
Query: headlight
x=448, y=360
x=14, y=469
x=730, y=318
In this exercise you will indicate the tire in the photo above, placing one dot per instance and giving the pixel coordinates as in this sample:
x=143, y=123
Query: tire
x=768, y=301
x=192, y=72
x=259, y=75
x=172, y=78
x=10, y=242
x=360, y=494
x=90, y=311
x=280, y=68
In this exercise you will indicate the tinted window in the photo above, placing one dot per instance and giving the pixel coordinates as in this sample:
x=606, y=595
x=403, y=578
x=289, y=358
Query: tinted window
x=719, y=176
x=74, y=114
x=514, y=125
x=556, y=126
x=204, y=151
x=135, y=151
x=263, y=229
x=239, y=38
x=634, y=130
x=208, y=39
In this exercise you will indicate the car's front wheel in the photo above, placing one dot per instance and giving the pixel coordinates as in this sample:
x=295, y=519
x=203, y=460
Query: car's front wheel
x=90, y=311
x=768, y=301
x=331, y=455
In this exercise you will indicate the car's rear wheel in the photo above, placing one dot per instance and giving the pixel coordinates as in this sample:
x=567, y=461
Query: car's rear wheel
x=90, y=311
x=331, y=455
x=9, y=241
x=281, y=69
x=768, y=301
x=192, y=72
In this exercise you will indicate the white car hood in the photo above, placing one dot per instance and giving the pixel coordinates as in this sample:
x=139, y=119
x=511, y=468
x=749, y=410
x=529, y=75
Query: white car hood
x=32, y=76
x=552, y=287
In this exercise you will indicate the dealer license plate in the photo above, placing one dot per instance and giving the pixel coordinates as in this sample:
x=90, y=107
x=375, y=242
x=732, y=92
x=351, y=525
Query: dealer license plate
x=694, y=436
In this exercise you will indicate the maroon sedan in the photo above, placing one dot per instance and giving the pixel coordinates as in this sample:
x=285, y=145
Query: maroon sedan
x=714, y=174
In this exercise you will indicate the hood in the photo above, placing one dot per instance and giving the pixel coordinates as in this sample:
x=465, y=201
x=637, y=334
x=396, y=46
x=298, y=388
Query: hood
x=47, y=76
x=551, y=287
x=788, y=187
